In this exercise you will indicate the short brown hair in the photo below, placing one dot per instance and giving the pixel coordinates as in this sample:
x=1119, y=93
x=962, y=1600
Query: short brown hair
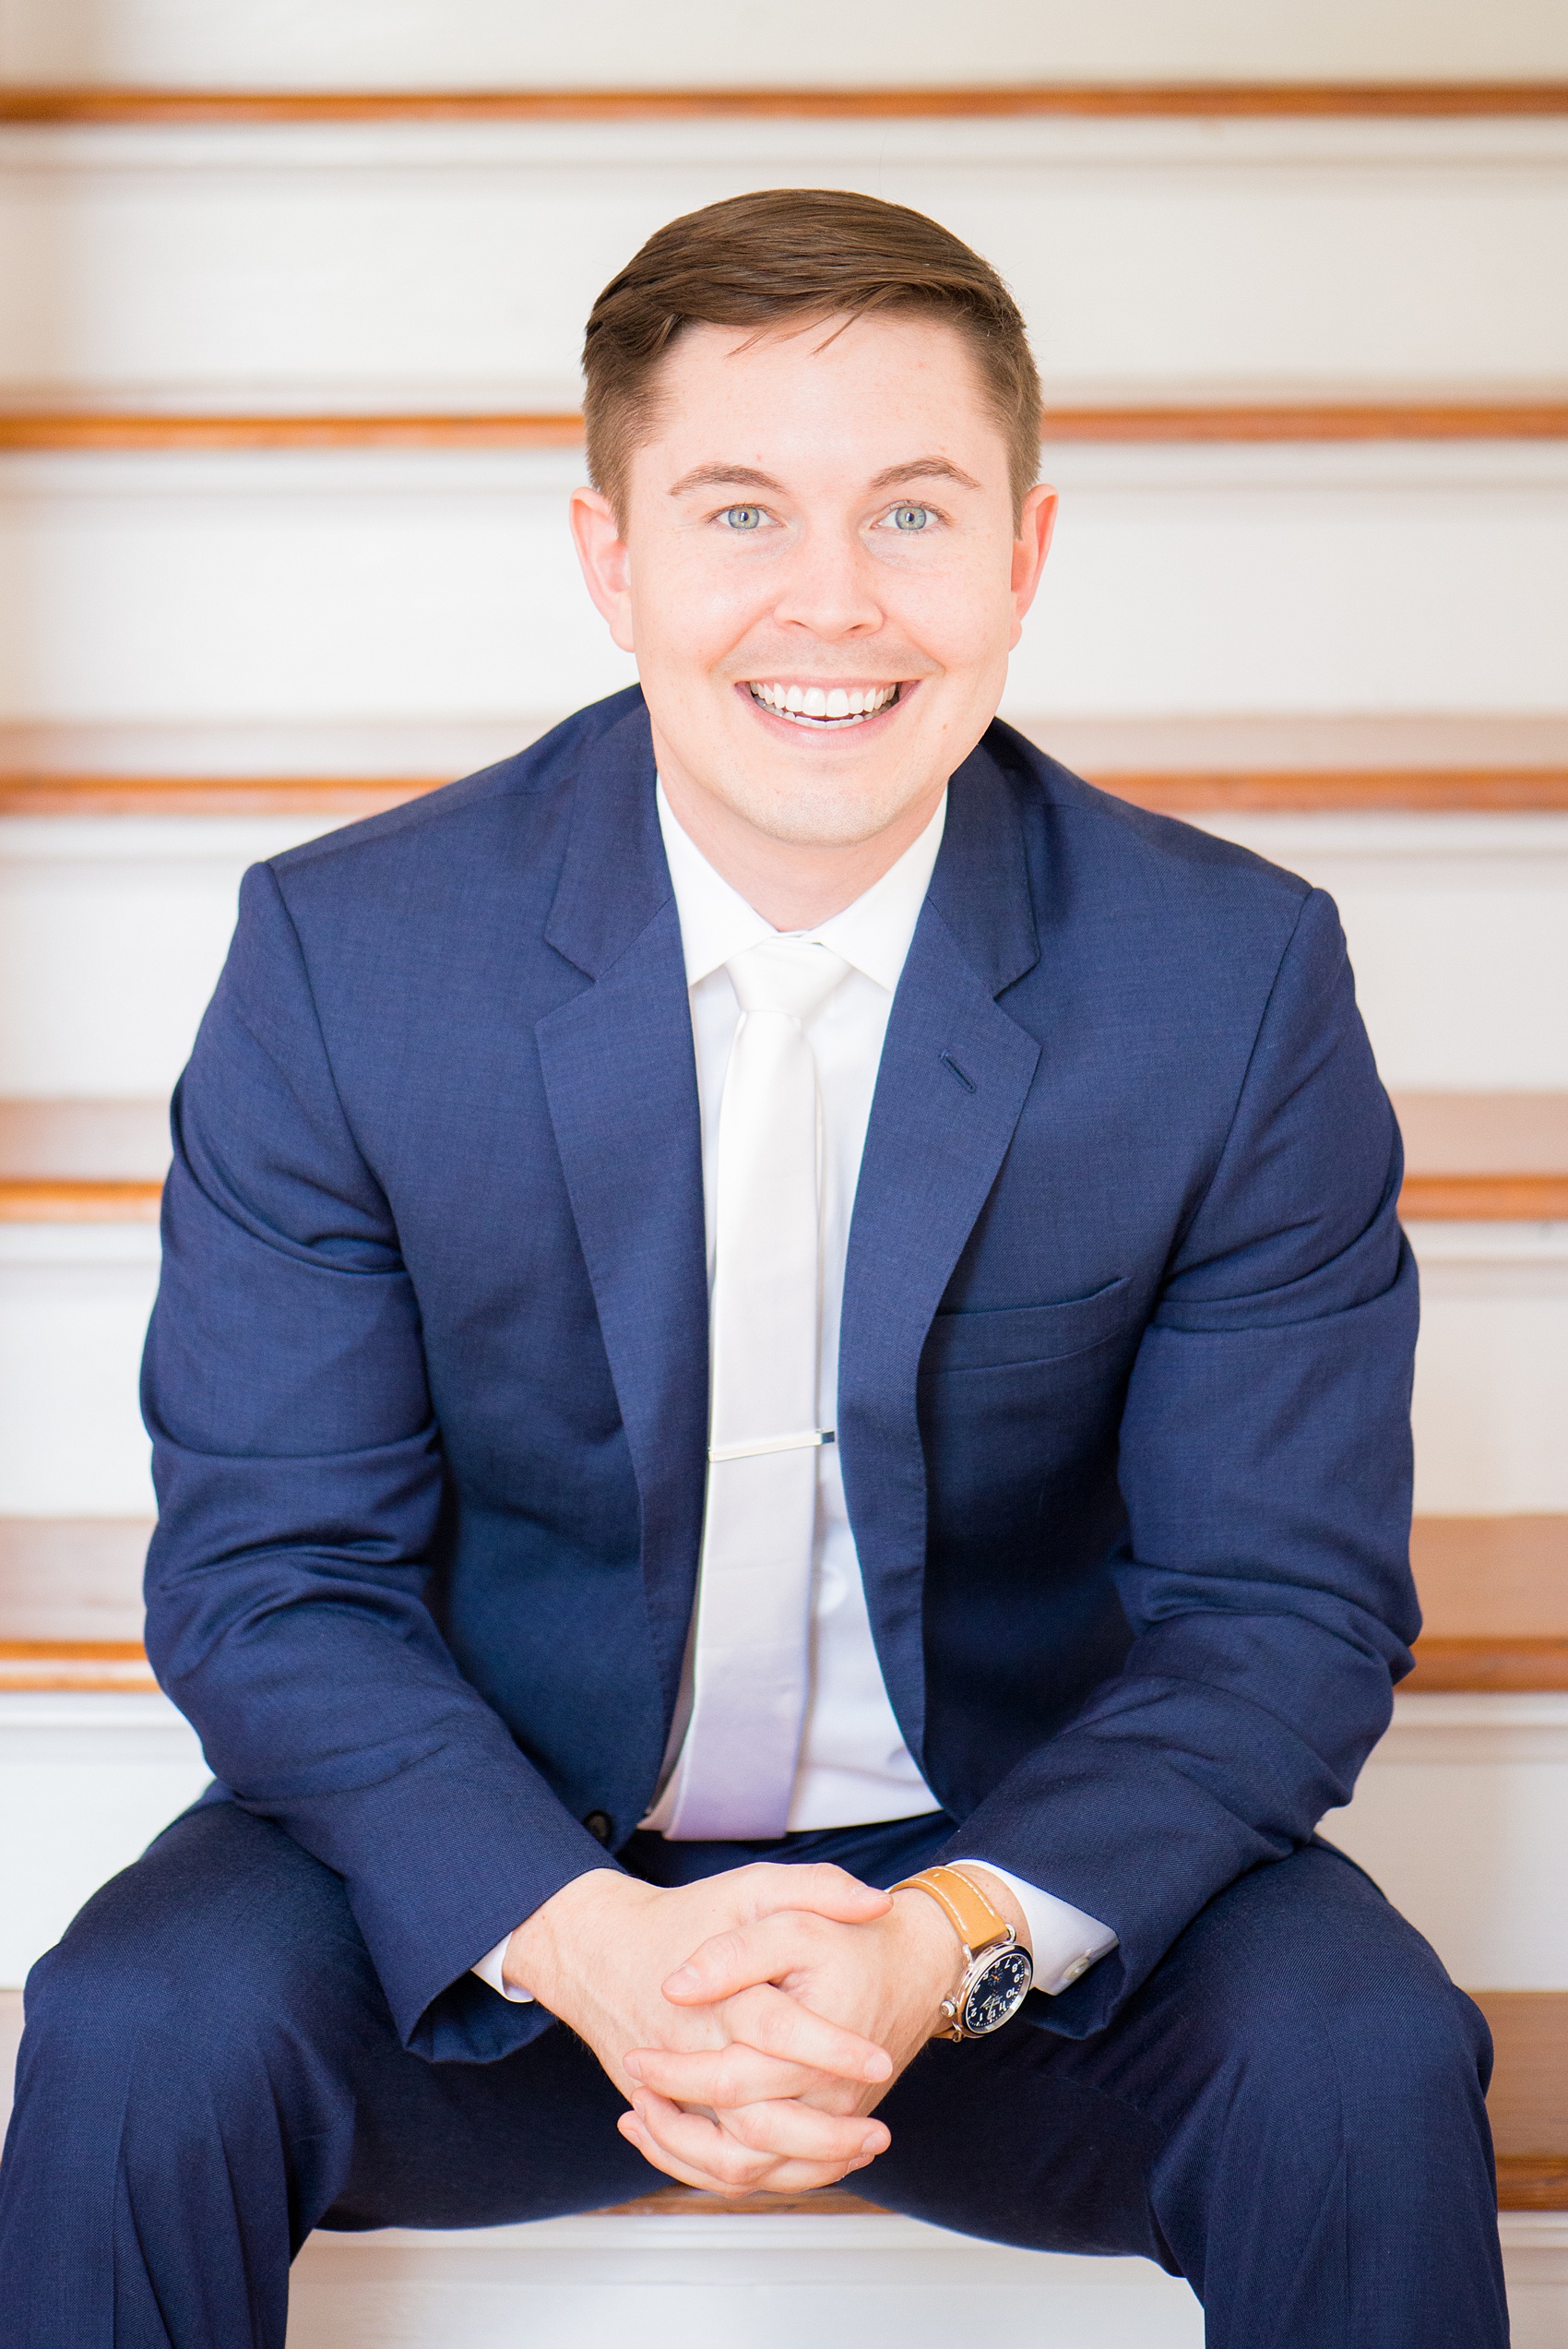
x=801, y=253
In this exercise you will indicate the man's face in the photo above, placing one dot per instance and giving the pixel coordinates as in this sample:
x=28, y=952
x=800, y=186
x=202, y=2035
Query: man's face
x=819, y=574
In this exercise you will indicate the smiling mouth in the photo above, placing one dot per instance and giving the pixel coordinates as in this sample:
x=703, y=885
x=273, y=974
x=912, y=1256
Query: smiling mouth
x=823, y=707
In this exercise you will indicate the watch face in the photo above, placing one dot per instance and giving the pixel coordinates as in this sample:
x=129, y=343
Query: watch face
x=996, y=1993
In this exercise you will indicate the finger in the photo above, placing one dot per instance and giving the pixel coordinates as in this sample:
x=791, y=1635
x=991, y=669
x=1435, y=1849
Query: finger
x=787, y=2177
x=818, y=1885
x=723, y=2076
x=793, y=2131
x=776, y=2024
x=718, y=2158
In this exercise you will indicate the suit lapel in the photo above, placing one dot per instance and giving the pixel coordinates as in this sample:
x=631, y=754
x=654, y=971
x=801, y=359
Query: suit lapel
x=620, y=1077
x=955, y=1074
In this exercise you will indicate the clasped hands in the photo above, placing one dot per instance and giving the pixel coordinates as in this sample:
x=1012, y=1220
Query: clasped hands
x=751, y=2020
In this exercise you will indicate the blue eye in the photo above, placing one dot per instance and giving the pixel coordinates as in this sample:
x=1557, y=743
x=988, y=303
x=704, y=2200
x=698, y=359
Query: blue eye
x=743, y=517
x=911, y=518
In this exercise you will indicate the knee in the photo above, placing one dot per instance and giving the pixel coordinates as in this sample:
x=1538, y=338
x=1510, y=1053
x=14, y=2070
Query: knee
x=1392, y=2051
x=213, y=1938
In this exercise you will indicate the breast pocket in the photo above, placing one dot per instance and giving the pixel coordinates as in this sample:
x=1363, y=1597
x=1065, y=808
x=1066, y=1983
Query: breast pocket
x=1025, y=1333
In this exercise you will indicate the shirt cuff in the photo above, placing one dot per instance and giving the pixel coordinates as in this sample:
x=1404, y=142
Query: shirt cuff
x=1065, y=1942
x=488, y=1970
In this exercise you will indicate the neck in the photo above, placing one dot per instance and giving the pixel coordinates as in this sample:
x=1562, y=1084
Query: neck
x=793, y=884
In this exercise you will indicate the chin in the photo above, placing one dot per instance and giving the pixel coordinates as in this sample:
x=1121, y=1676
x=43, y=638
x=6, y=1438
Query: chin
x=824, y=812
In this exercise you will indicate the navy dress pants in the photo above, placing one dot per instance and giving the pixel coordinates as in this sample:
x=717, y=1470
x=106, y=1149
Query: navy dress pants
x=1289, y=2113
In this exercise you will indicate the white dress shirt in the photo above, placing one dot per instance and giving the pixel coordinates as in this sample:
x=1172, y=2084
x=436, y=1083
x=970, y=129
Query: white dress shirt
x=854, y=1766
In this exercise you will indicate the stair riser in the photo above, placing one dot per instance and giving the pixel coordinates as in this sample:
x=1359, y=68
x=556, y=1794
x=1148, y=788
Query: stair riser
x=491, y=43
x=112, y=931
x=1492, y=1387
x=430, y=584
x=1457, y=1816
x=459, y=260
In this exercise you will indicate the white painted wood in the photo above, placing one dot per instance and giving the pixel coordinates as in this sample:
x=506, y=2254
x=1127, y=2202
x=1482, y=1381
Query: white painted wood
x=457, y=2290
x=425, y=584
x=705, y=2282
x=456, y=262
x=113, y=930
x=1455, y=1816
x=1460, y=1815
x=1458, y=932
x=86, y=1782
x=1490, y=1400
x=1491, y=1367
x=74, y=1303
x=278, y=44
x=112, y=933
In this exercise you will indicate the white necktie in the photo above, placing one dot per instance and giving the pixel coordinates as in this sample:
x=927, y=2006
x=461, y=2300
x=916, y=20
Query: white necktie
x=751, y=1659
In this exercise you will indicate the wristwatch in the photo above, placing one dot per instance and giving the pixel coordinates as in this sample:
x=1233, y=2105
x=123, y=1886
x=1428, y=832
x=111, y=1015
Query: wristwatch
x=997, y=1973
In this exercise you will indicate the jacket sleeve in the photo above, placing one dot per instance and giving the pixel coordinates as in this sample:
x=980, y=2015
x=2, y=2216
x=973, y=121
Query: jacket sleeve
x=1265, y=1466
x=301, y=1486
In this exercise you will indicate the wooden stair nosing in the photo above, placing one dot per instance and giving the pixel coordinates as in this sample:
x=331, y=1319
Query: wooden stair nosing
x=102, y=102
x=1289, y=792
x=1452, y=1199
x=1305, y=418
x=70, y=1200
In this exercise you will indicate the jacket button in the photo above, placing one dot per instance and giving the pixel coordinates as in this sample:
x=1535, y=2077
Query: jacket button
x=598, y=1825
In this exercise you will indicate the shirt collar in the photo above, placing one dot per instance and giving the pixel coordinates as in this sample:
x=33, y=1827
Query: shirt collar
x=873, y=935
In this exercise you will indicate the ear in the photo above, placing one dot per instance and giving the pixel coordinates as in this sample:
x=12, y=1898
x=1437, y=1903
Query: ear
x=1029, y=550
x=602, y=553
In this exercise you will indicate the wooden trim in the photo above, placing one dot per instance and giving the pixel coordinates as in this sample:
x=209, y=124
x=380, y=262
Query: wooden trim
x=78, y=430
x=49, y=794
x=1487, y=1668
x=33, y=1199
x=1450, y=1198
x=1532, y=2182
x=1310, y=420
x=99, y=102
x=1326, y=790
x=90, y=1667
x=687, y=2201
x=1485, y=1199
x=70, y=429
x=1289, y=792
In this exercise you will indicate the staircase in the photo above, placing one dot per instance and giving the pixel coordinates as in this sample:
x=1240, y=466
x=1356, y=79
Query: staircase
x=287, y=414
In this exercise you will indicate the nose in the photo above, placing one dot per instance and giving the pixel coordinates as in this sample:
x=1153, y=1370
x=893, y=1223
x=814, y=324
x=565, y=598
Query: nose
x=828, y=590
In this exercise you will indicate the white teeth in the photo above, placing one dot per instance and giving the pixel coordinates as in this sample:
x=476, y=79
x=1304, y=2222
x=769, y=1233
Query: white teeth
x=835, y=705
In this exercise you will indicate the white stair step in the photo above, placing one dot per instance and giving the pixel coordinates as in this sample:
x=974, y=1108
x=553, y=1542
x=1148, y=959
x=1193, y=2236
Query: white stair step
x=459, y=258
x=1491, y=1400
x=113, y=928
x=1457, y=1815
x=427, y=584
x=716, y=2277
x=877, y=2281
x=486, y=43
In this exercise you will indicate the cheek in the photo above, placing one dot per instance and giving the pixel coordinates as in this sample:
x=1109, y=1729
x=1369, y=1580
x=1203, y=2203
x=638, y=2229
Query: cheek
x=962, y=618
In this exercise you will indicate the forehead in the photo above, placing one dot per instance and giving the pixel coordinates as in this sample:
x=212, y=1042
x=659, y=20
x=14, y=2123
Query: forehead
x=847, y=398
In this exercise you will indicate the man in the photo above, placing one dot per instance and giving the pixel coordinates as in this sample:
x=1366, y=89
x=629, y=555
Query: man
x=774, y=1292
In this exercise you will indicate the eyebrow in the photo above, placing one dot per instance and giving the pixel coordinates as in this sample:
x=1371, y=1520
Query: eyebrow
x=925, y=469
x=724, y=477
x=918, y=468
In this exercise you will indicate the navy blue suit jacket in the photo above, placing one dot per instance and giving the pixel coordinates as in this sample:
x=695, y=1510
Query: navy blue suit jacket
x=1123, y=1387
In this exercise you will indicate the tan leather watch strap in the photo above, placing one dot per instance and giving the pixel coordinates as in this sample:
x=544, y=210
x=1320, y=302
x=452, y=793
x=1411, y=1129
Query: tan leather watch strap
x=968, y=1912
